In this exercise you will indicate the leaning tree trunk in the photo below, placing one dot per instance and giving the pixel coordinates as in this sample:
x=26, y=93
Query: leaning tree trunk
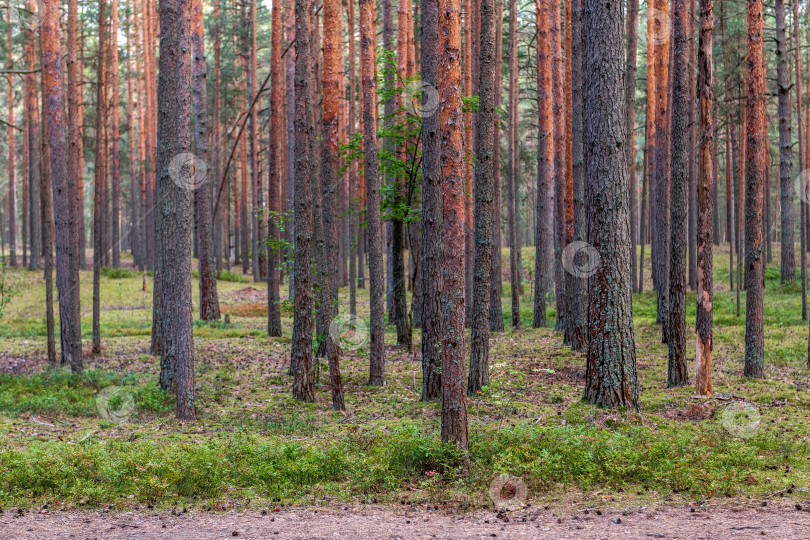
x=64, y=188
x=705, y=201
x=610, y=376
x=755, y=172
x=479, y=337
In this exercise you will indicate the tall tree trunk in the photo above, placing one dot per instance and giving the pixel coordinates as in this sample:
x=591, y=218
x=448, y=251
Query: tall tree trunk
x=301, y=355
x=174, y=192
x=610, y=377
x=802, y=154
x=115, y=159
x=467, y=74
x=368, y=55
x=705, y=201
x=134, y=189
x=755, y=172
x=649, y=149
x=662, y=163
x=203, y=182
x=221, y=225
x=12, y=146
x=495, y=309
x=64, y=189
x=258, y=258
x=35, y=216
x=630, y=111
x=274, y=202
x=432, y=243
x=545, y=163
x=100, y=170
x=512, y=191
x=692, y=126
x=579, y=312
x=679, y=197
x=354, y=210
x=454, y=406
x=290, y=67
x=327, y=239
x=568, y=190
x=558, y=108
x=484, y=179
x=46, y=195
x=785, y=147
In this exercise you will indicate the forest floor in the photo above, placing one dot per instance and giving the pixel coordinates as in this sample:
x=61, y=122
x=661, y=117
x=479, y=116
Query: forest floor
x=71, y=445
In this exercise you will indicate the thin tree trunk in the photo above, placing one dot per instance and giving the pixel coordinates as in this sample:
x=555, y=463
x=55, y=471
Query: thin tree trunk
x=788, y=274
x=354, y=226
x=432, y=243
x=610, y=377
x=545, y=163
x=12, y=146
x=64, y=188
x=467, y=138
x=46, y=194
x=630, y=111
x=100, y=170
x=677, y=374
x=134, y=189
x=275, y=165
x=495, y=309
x=514, y=248
x=115, y=159
x=32, y=125
x=705, y=201
x=692, y=126
x=374, y=229
x=209, y=299
x=558, y=109
x=291, y=111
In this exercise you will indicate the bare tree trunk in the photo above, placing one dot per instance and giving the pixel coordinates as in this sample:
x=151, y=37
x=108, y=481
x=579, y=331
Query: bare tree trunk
x=495, y=309
x=374, y=231
x=705, y=201
x=301, y=355
x=46, y=194
x=679, y=197
x=32, y=126
x=484, y=177
x=291, y=111
x=75, y=111
x=630, y=111
x=204, y=189
x=788, y=274
x=558, y=109
x=545, y=164
x=467, y=138
x=692, y=125
x=134, y=189
x=64, y=188
x=514, y=248
x=12, y=146
x=454, y=406
x=275, y=165
x=755, y=172
x=432, y=244
x=100, y=170
x=610, y=377
x=115, y=158
x=354, y=226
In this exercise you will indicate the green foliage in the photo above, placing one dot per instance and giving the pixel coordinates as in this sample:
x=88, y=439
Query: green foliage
x=117, y=273
x=7, y=285
x=232, y=277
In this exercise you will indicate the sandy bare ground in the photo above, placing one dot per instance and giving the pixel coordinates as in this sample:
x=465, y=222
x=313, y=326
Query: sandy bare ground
x=783, y=521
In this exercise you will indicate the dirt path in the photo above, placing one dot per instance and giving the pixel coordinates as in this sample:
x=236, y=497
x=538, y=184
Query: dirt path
x=782, y=521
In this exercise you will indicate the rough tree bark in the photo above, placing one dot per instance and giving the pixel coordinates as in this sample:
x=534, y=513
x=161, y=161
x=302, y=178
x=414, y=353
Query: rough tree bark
x=545, y=164
x=12, y=147
x=679, y=181
x=484, y=177
x=100, y=170
x=755, y=172
x=495, y=309
x=209, y=299
x=274, y=181
x=630, y=111
x=788, y=274
x=558, y=109
x=514, y=248
x=115, y=158
x=705, y=201
x=64, y=189
x=610, y=376
x=432, y=248
x=174, y=194
x=454, y=406
x=32, y=136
